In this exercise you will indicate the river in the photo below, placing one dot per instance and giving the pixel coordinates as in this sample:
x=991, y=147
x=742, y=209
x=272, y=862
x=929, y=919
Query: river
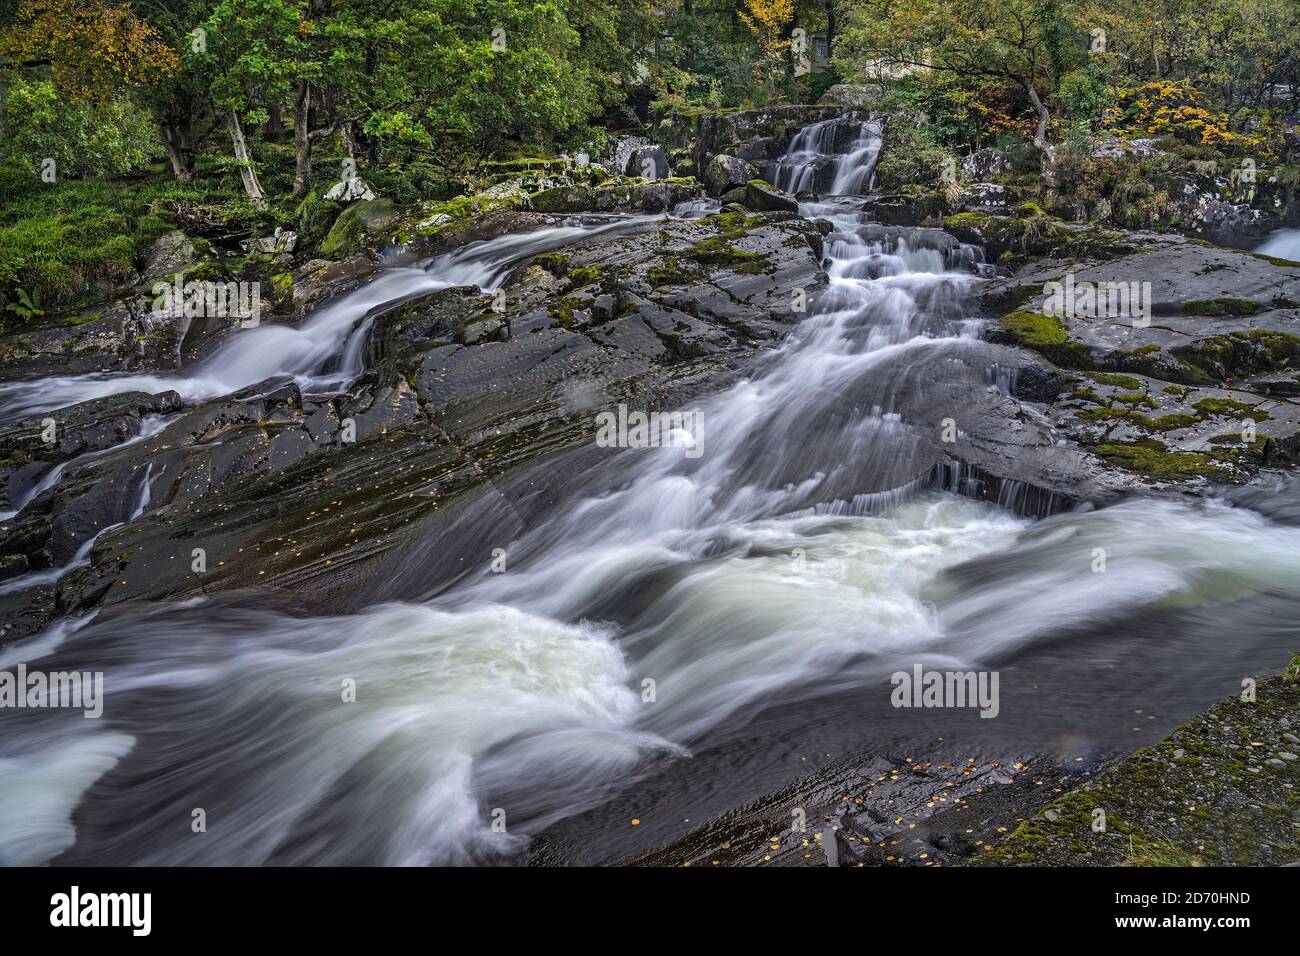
x=678, y=635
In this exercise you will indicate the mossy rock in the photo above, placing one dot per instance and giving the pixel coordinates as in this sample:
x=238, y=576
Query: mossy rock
x=1224, y=305
x=357, y=226
x=1155, y=461
x=1210, y=407
x=1047, y=336
x=718, y=251
x=1032, y=234
x=670, y=273
x=316, y=216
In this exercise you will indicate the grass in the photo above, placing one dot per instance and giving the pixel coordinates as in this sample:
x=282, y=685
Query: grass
x=74, y=239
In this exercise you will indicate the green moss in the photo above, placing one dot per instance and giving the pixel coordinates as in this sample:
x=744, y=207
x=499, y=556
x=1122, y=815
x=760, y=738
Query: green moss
x=670, y=273
x=1277, y=260
x=562, y=311
x=345, y=237
x=717, y=251
x=1045, y=334
x=1019, y=295
x=1153, y=460
x=1035, y=330
x=1136, y=398
x=733, y=225
x=1116, y=380
x=557, y=264
x=1224, y=305
x=1166, y=423
x=1229, y=406
x=583, y=276
x=1106, y=413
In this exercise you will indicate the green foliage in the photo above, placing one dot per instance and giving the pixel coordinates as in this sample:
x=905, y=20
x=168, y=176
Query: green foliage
x=1084, y=97
x=909, y=156
x=64, y=242
x=27, y=306
x=84, y=138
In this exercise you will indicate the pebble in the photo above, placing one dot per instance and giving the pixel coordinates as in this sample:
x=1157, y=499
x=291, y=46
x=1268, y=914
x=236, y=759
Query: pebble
x=1274, y=762
x=1180, y=752
x=1287, y=755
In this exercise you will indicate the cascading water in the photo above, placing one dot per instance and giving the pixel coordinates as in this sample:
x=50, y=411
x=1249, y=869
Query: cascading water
x=756, y=575
x=836, y=157
x=325, y=352
x=1284, y=243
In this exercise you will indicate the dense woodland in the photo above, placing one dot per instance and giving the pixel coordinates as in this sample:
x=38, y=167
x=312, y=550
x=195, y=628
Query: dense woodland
x=124, y=119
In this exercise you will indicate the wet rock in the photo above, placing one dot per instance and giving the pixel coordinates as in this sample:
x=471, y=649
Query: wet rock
x=764, y=197
x=384, y=410
x=1243, y=816
x=726, y=173
x=168, y=254
x=648, y=162
x=1182, y=385
x=319, y=280
x=77, y=430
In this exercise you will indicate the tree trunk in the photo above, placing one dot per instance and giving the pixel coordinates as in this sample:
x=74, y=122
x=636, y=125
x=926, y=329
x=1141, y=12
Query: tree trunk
x=246, y=171
x=180, y=155
x=274, y=125
x=830, y=29
x=1040, y=136
x=302, y=138
x=1040, y=133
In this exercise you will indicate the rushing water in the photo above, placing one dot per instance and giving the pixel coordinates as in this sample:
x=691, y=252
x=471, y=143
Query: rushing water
x=325, y=352
x=836, y=157
x=754, y=576
x=1284, y=243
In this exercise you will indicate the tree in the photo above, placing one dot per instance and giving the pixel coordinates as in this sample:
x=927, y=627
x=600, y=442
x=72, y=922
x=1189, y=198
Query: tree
x=769, y=21
x=1018, y=41
x=457, y=80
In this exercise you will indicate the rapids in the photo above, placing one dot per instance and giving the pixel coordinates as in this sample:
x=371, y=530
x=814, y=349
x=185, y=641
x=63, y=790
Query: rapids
x=665, y=612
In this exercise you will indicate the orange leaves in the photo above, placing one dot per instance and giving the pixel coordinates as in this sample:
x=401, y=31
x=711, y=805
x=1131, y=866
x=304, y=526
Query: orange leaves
x=92, y=47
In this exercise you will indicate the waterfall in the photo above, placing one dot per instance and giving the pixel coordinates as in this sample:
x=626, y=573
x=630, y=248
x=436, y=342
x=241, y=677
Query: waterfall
x=1283, y=243
x=835, y=157
x=323, y=354
x=656, y=607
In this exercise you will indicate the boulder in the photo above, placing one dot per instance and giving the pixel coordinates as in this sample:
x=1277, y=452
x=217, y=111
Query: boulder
x=854, y=95
x=168, y=254
x=984, y=165
x=648, y=162
x=357, y=226
x=762, y=197
x=982, y=197
x=725, y=173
